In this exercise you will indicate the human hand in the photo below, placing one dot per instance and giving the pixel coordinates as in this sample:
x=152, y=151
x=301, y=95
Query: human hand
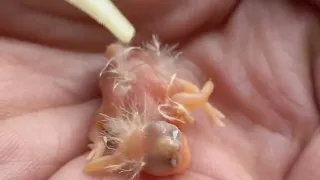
x=263, y=62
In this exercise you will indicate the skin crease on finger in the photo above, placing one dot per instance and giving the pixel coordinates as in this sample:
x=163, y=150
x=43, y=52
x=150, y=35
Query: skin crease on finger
x=261, y=67
x=272, y=38
x=41, y=22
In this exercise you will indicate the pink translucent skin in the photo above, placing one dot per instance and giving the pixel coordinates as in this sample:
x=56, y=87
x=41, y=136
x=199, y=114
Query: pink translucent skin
x=143, y=84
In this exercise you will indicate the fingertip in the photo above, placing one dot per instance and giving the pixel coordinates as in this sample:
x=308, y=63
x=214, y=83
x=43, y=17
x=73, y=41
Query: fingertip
x=74, y=169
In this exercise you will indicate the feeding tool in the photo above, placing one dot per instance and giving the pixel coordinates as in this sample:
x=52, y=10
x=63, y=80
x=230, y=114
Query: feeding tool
x=108, y=15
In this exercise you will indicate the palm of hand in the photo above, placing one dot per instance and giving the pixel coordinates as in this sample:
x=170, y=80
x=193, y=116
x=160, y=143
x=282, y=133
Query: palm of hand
x=261, y=71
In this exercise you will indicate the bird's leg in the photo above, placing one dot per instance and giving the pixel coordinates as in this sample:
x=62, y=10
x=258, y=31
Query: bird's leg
x=108, y=162
x=192, y=98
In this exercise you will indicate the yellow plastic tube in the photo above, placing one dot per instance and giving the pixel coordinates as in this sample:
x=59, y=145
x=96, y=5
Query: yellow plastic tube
x=108, y=15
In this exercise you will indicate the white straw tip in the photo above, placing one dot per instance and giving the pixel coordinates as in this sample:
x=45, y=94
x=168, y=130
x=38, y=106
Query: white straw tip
x=108, y=15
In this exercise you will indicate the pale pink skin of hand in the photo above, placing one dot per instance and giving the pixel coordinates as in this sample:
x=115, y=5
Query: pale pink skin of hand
x=266, y=73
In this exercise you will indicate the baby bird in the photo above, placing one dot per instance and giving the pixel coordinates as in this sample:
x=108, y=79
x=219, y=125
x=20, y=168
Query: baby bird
x=139, y=126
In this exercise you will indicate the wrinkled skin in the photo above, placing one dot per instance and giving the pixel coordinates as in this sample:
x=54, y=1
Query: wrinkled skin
x=263, y=60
